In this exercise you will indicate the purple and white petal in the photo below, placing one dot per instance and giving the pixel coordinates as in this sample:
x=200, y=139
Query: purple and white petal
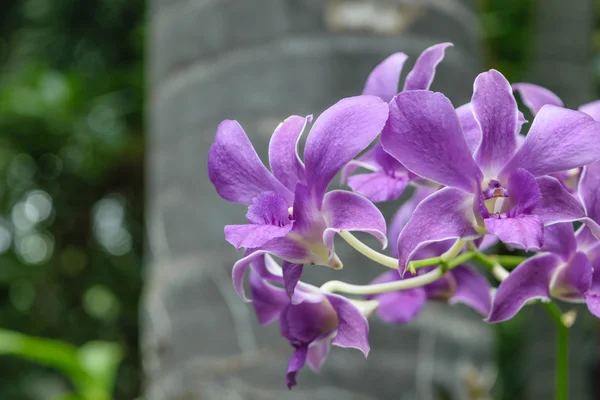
x=339, y=134
x=347, y=211
x=305, y=322
x=424, y=134
x=308, y=220
x=573, y=279
x=446, y=214
x=268, y=300
x=560, y=240
x=535, y=97
x=470, y=126
x=472, y=289
x=559, y=139
x=283, y=151
x=495, y=110
x=317, y=354
x=235, y=169
x=522, y=231
x=353, y=328
x=383, y=80
x=250, y=236
x=422, y=74
x=378, y=186
x=557, y=205
x=589, y=190
x=295, y=365
x=592, y=109
x=401, y=306
x=529, y=281
x=366, y=161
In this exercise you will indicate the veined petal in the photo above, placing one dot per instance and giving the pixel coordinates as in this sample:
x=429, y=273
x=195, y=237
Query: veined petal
x=560, y=240
x=424, y=134
x=446, y=214
x=295, y=365
x=383, y=80
x=592, y=297
x=524, y=191
x=522, y=231
x=559, y=139
x=472, y=289
x=535, y=97
x=351, y=212
x=308, y=219
x=421, y=76
x=592, y=109
x=267, y=299
x=529, y=281
x=470, y=126
x=291, y=276
x=401, y=306
x=339, y=134
x=557, y=205
x=353, y=328
x=317, y=354
x=378, y=186
x=589, y=190
x=283, y=151
x=366, y=161
x=235, y=169
x=251, y=236
x=495, y=110
x=573, y=279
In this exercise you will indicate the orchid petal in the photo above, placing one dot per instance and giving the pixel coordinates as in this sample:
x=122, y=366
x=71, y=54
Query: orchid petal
x=235, y=169
x=559, y=139
x=522, y=231
x=338, y=135
x=592, y=109
x=495, y=110
x=421, y=76
x=400, y=306
x=305, y=322
x=267, y=299
x=383, y=80
x=251, y=236
x=524, y=191
x=446, y=214
x=529, y=281
x=317, y=354
x=295, y=365
x=572, y=280
x=589, y=190
x=291, y=276
x=378, y=186
x=283, y=151
x=470, y=126
x=560, y=240
x=535, y=97
x=557, y=205
x=472, y=289
x=349, y=211
x=424, y=134
x=353, y=328
x=308, y=221
x=366, y=161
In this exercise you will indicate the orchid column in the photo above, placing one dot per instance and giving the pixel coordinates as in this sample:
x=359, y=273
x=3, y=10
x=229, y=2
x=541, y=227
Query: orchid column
x=260, y=61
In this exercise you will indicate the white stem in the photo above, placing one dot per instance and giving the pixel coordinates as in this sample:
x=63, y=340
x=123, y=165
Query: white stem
x=417, y=281
x=453, y=251
x=368, y=252
x=500, y=273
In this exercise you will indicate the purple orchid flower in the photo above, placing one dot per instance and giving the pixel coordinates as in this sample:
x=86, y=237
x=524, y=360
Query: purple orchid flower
x=460, y=285
x=535, y=97
x=498, y=189
x=290, y=214
x=312, y=324
x=388, y=178
x=568, y=268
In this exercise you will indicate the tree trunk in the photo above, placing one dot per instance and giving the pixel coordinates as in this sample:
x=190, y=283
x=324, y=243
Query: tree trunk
x=259, y=61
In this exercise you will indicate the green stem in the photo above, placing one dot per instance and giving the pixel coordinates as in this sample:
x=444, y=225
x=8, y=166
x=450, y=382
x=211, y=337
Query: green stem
x=562, y=352
x=510, y=262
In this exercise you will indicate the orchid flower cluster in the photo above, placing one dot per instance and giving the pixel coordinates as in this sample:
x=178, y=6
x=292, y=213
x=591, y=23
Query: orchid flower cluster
x=475, y=180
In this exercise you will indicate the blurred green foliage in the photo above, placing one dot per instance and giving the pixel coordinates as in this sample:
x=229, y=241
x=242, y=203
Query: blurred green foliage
x=71, y=186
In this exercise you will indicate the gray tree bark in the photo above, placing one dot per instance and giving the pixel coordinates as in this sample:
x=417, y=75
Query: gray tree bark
x=259, y=61
x=563, y=61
